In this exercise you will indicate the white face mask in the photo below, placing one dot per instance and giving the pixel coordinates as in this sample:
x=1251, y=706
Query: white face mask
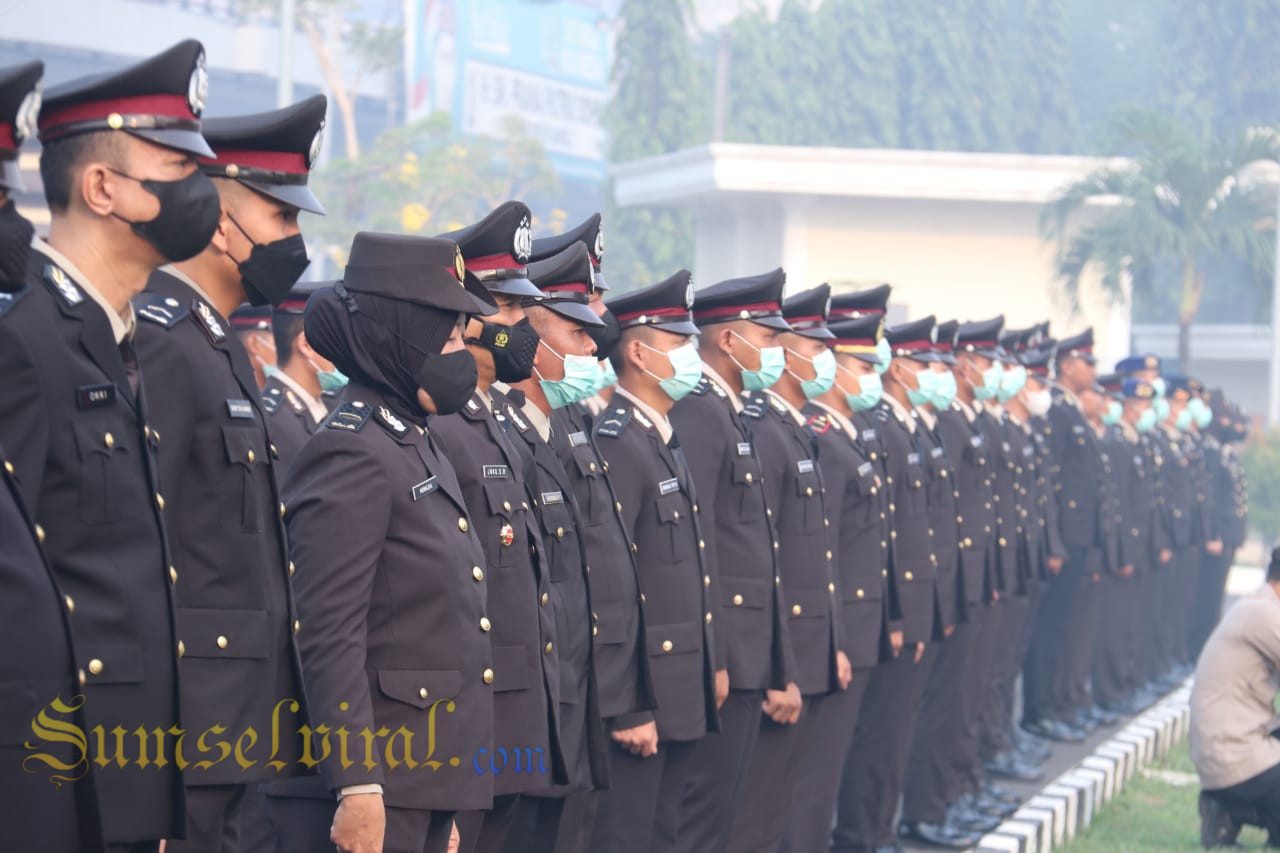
x=1038, y=402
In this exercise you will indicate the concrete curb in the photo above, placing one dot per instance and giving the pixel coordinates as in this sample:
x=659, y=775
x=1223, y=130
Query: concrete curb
x=1067, y=805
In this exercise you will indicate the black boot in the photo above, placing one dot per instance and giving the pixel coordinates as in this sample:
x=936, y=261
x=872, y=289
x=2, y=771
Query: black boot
x=1217, y=827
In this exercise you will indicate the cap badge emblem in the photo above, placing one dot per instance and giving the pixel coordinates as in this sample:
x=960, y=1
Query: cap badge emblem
x=198, y=86
x=522, y=245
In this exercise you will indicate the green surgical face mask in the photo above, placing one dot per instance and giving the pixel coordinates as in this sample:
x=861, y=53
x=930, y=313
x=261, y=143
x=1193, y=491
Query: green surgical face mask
x=1111, y=416
x=871, y=389
x=943, y=392
x=1146, y=421
x=824, y=369
x=1183, y=420
x=772, y=362
x=1161, y=408
x=1011, y=381
x=687, y=367
x=579, y=382
x=885, y=352
x=990, y=386
x=1201, y=414
x=927, y=381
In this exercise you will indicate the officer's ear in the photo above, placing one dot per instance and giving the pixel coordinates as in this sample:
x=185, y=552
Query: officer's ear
x=221, y=235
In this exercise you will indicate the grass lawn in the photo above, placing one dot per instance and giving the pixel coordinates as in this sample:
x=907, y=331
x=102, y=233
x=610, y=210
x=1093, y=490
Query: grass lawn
x=1155, y=812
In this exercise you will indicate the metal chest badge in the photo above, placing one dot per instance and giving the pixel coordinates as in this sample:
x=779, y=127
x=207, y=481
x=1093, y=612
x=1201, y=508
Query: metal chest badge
x=506, y=535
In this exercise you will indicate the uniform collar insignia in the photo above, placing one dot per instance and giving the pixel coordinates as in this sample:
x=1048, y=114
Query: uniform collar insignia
x=71, y=294
x=390, y=421
x=211, y=323
x=644, y=422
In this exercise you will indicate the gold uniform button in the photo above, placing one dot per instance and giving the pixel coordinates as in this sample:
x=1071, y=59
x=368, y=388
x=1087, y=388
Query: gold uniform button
x=477, y=573
x=634, y=549
x=506, y=505
x=708, y=617
x=768, y=512
x=109, y=440
x=71, y=605
x=297, y=626
x=559, y=532
x=831, y=587
x=546, y=650
x=1071, y=504
x=874, y=490
x=423, y=693
x=487, y=676
x=737, y=600
x=908, y=576
x=826, y=522
x=80, y=676
x=828, y=555
x=95, y=667
x=251, y=456
x=591, y=466
x=173, y=573
x=618, y=506
x=796, y=610
x=222, y=642
x=748, y=477
x=545, y=598
x=182, y=650
x=775, y=544
x=642, y=598
x=485, y=624
x=40, y=534
x=292, y=568
x=8, y=467
x=667, y=645
x=808, y=491
x=282, y=509
x=706, y=580
x=968, y=543
x=275, y=454
x=860, y=594
x=702, y=545
x=594, y=630
x=675, y=516
x=160, y=501
x=462, y=524
x=959, y=519
x=1003, y=542
x=695, y=507
x=893, y=534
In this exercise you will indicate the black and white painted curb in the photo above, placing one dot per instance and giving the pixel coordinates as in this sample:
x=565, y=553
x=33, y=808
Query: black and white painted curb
x=1067, y=805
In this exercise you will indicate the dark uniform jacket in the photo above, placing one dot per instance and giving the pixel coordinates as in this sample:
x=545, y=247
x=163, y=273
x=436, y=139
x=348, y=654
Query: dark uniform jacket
x=966, y=446
x=38, y=814
x=1003, y=499
x=620, y=658
x=1203, y=517
x=751, y=634
x=1027, y=533
x=391, y=592
x=1110, y=519
x=858, y=500
x=869, y=426
x=912, y=558
x=1046, y=482
x=526, y=684
x=944, y=528
x=806, y=558
x=288, y=419
x=1176, y=490
x=229, y=561
x=84, y=457
x=1078, y=459
x=1230, y=502
x=1136, y=491
x=550, y=493
x=656, y=492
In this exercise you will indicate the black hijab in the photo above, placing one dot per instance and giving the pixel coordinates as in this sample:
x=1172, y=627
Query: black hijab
x=378, y=341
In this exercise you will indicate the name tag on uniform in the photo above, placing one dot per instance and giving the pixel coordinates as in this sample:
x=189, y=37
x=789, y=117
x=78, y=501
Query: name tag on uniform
x=1077, y=429
x=95, y=396
x=496, y=472
x=549, y=498
x=864, y=469
x=868, y=435
x=936, y=453
x=913, y=458
x=577, y=439
x=805, y=466
x=425, y=488
x=240, y=409
x=666, y=487
x=744, y=448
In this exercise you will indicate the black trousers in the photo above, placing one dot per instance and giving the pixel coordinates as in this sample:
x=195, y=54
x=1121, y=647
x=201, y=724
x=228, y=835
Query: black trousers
x=486, y=831
x=213, y=820
x=1210, y=591
x=1008, y=653
x=1114, y=665
x=820, y=764
x=967, y=773
x=871, y=781
x=767, y=794
x=553, y=824
x=302, y=826
x=640, y=813
x=720, y=768
x=934, y=762
x=1260, y=792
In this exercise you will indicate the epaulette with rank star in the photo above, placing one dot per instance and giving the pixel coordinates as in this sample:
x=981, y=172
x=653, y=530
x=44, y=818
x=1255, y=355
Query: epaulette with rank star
x=703, y=386
x=754, y=408
x=350, y=416
x=164, y=311
x=819, y=424
x=8, y=300
x=294, y=403
x=614, y=422
x=271, y=403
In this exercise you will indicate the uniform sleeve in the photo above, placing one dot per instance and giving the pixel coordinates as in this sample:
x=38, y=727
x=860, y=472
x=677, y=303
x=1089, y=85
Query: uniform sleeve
x=339, y=510
x=24, y=429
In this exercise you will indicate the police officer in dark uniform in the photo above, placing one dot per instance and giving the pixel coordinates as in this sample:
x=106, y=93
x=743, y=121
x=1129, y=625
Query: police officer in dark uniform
x=38, y=814
x=229, y=565
x=876, y=763
x=390, y=581
x=806, y=564
x=656, y=365
x=252, y=325
x=526, y=688
x=1226, y=478
x=120, y=178
x=751, y=633
x=560, y=315
x=300, y=389
x=859, y=501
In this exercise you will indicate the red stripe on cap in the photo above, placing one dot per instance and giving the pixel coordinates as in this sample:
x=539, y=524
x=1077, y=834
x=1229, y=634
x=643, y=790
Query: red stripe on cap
x=1041, y=370
x=173, y=106
x=486, y=263
x=568, y=287
x=811, y=318
x=977, y=344
x=942, y=346
x=844, y=313
x=7, y=139
x=272, y=161
x=853, y=342
x=732, y=310
x=292, y=305
x=915, y=345
x=654, y=312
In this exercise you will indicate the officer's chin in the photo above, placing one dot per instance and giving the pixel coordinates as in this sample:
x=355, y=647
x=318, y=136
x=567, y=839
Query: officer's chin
x=424, y=400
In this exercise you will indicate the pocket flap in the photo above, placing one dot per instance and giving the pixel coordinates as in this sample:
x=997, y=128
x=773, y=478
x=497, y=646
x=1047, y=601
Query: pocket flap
x=97, y=437
x=584, y=457
x=420, y=687
x=674, y=639
x=611, y=624
x=807, y=484
x=754, y=593
x=669, y=507
x=510, y=668
x=218, y=633
x=811, y=603
x=746, y=471
x=503, y=496
x=244, y=445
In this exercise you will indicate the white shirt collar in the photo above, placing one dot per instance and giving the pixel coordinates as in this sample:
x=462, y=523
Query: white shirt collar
x=314, y=406
x=659, y=421
x=839, y=417
x=540, y=421
x=794, y=412
x=189, y=282
x=904, y=414
x=714, y=376
x=122, y=325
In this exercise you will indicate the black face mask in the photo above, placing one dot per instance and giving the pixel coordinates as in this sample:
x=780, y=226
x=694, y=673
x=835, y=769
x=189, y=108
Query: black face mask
x=606, y=336
x=272, y=269
x=513, y=349
x=189, y=214
x=15, y=244
x=450, y=379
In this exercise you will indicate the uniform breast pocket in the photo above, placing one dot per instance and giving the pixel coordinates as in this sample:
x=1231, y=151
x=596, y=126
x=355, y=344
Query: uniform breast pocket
x=867, y=487
x=112, y=487
x=599, y=503
x=916, y=486
x=243, y=493
x=558, y=533
x=747, y=494
x=809, y=493
x=504, y=499
x=674, y=526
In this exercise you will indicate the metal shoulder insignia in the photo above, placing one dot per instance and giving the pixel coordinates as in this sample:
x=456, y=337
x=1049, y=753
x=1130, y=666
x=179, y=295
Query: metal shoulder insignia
x=350, y=416
x=8, y=300
x=883, y=415
x=518, y=419
x=754, y=408
x=778, y=405
x=270, y=403
x=819, y=424
x=58, y=279
x=209, y=321
x=294, y=403
x=614, y=422
x=640, y=416
x=164, y=311
x=390, y=422
x=703, y=386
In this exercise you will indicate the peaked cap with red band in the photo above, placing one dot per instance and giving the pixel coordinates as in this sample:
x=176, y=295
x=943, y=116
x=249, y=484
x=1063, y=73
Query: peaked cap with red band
x=665, y=305
x=271, y=152
x=421, y=270
x=872, y=301
x=251, y=318
x=564, y=282
x=757, y=298
x=159, y=99
x=1037, y=360
x=806, y=312
x=981, y=337
x=497, y=249
x=296, y=302
x=857, y=337
x=589, y=233
x=19, y=106
x=1077, y=346
x=945, y=344
x=913, y=340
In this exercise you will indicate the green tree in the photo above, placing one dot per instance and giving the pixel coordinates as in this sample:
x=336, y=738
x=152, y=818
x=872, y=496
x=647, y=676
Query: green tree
x=758, y=107
x=1179, y=200
x=933, y=112
x=858, y=61
x=1044, y=108
x=1261, y=459
x=659, y=105
x=984, y=72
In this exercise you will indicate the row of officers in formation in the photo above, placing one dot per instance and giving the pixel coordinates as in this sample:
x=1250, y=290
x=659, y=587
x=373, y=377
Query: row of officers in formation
x=490, y=560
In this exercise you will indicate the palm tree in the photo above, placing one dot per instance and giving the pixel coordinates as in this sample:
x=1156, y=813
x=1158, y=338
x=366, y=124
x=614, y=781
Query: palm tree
x=1179, y=200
